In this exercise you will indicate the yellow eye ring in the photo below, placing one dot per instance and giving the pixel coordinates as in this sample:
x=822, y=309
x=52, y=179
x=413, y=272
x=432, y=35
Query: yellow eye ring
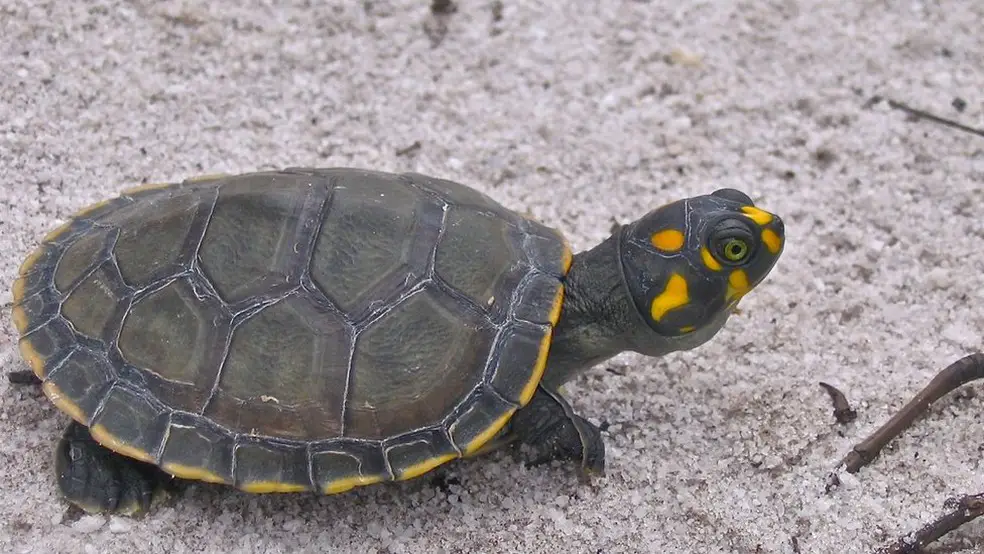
x=735, y=250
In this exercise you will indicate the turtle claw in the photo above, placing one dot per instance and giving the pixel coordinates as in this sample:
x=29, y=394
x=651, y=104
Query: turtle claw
x=549, y=426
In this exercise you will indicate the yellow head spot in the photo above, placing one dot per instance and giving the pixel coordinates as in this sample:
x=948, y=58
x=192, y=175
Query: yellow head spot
x=688, y=329
x=761, y=217
x=673, y=296
x=668, y=240
x=737, y=285
x=709, y=260
x=771, y=240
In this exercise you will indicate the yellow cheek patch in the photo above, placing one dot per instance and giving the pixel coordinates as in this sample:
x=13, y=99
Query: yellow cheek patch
x=669, y=240
x=709, y=260
x=761, y=217
x=772, y=241
x=737, y=285
x=673, y=296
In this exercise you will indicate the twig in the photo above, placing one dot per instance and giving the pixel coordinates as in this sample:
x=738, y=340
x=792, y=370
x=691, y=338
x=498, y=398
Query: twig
x=409, y=149
x=960, y=511
x=843, y=412
x=920, y=114
x=957, y=374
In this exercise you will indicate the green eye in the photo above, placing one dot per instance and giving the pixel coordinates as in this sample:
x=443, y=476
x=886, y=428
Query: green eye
x=735, y=250
x=732, y=242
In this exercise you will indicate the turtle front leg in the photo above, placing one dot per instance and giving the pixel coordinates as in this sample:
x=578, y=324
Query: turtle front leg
x=96, y=479
x=550, y=427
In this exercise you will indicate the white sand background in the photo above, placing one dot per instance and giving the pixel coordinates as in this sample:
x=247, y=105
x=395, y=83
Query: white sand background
x=581, y=113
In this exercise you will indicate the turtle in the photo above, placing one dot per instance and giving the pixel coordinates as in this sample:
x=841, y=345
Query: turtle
x=322, y=329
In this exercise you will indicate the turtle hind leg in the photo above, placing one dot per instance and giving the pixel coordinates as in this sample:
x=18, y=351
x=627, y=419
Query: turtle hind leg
x=550, y=427
x=98, y=480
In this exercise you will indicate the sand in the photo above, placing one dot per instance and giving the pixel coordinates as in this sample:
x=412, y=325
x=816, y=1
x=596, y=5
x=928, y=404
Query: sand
x=582, y=114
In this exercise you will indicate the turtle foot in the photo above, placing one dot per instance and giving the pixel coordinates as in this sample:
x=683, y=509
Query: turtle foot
x=550, y=427
x=98, y=480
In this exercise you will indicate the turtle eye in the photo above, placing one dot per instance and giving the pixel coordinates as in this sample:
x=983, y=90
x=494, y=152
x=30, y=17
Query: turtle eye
x=735, y=250
x=732, y=242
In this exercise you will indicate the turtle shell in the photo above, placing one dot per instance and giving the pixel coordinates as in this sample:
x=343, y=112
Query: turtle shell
x=304, y=329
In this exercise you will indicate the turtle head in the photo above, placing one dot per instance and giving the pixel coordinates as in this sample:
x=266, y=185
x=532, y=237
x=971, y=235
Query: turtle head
x=687, y=264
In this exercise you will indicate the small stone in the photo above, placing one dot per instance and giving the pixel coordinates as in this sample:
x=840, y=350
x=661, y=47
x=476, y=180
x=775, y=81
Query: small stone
x=626, y=35
x=118, y=525
x=847, y=480
x=679, y=124
x=88, y=524
x=292, y=525
x=678, y=56
x=940, y=278
x=960, y=333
